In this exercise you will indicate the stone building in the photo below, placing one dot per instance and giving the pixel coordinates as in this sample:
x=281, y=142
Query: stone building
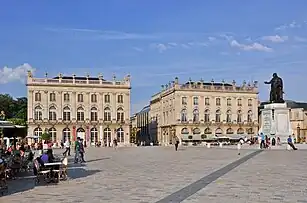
x=143, y=124
x=298, y=119
x=88, y=107
x=197, y=110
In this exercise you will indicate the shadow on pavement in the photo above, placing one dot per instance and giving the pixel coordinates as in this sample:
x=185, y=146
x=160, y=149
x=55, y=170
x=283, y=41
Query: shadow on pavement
x=94, y=160
x=75, y=173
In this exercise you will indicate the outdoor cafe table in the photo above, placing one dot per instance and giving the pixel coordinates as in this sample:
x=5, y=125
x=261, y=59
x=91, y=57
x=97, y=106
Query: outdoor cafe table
x=53, y=164
x=52, y=168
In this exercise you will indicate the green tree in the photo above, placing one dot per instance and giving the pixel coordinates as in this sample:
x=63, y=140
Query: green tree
x=46, y=136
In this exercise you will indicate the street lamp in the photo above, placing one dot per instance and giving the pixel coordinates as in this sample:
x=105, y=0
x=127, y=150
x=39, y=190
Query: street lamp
x=298, y=133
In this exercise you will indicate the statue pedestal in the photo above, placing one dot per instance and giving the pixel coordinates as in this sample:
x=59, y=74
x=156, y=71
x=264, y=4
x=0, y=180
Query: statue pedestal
x=275, y=121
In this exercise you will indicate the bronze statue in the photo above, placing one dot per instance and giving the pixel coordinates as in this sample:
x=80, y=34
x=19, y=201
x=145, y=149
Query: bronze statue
x=276, y=93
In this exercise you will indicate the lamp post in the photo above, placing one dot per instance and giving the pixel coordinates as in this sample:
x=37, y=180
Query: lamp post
x=298, y=133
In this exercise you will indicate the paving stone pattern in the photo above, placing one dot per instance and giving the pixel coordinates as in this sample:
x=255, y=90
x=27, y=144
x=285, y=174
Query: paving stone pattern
x=149, y=174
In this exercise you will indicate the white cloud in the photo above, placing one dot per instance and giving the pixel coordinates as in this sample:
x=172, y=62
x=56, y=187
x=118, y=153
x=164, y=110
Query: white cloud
x=300, y=39
x=18, y=73
x=251, y=47
x=211, y=38
x=160, y=47
x=138, y=49
x=275, y=38
x=293, y=24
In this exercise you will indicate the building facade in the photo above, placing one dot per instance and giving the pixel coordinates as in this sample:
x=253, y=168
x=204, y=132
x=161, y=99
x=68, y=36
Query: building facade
x=199, y=110
x=143, y=124
x=298, y=119
x=133, y=128
x=92, y=108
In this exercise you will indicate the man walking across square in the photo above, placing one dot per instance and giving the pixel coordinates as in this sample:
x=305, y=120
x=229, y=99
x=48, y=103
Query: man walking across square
x=77, y=150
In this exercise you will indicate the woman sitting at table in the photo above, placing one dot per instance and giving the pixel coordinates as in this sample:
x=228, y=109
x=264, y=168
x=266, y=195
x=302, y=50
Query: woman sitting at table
x=47, y=157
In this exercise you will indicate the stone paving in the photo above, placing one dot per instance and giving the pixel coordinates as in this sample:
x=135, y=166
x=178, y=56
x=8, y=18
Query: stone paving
x=149, y=174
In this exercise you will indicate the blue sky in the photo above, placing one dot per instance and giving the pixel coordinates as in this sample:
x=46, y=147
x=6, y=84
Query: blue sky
x=155, y=41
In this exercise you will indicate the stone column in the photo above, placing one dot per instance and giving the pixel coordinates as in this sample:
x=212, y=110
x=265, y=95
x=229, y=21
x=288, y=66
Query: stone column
x=46, y=112
x=30, y=105
x=73, y=96
x=59, y=102
x=87, y=106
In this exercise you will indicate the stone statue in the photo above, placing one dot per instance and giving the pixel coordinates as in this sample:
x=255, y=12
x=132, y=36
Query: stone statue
x=2, y=116
x=276, y=93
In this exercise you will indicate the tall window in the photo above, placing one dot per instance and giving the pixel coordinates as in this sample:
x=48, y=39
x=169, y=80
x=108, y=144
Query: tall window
x=38, y=96
x=207, y=101
x=184, y=115
x=80, y=114
x=94, y=135
x=107, y=114
x=249, y=116
x=239, y=116
x=228, y=116
x=66, y=97
x=52, y=113
x=94, y=98
x=228, y=102
x=120, y=135
x=120, y=115
x=184, y=101
x=38, y=113
x=207, y=116
x=94, y=114
x=218, y=102
x=240, y=131
x=229, y=131
x=239, y=102
x=66, y=114
x=80, y=97
x=52, y=97
x=52, y=132
x=195, y=100
x=250, y=102
x=208, y=131
x=38, y=132
x=107, y=98
x=218, y=116
x=107, y=136
x=195, y=115
x=66, y=134
x=120, y=99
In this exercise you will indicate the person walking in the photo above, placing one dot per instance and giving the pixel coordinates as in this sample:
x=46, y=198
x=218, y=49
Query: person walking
x=115, y=143
x=176, y=143
x=77, y=150
x=67, y=148
x=290, y=142
x=82, y=151
x=262, y=143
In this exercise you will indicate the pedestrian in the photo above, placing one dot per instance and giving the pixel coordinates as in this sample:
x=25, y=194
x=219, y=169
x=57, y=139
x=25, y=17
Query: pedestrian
x=176, y=143
x=115, y=143
x=67, y=148
x=239, y=147
x=262, y=143
x=291, y=143
x=77, y=150
x=82, y=151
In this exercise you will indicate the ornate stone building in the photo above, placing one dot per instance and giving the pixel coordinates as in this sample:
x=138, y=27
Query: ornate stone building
x=199, y=110
x=87, y=107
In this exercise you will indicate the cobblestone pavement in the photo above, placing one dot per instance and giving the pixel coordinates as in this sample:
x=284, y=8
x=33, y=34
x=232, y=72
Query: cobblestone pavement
x=149, y=174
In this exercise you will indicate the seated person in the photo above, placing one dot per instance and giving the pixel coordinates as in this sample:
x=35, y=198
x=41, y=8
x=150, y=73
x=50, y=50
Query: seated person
x=47, y=157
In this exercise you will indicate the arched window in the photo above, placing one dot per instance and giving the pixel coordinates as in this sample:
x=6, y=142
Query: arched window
x=249, y=116
x=240, y=131
x=218, y=116
x=184, y=115
x=207, y=115
x=52, y=113
x=218, y=131
x=66, y=113
x=229, y=131
x=94, y=135
x=66, y=134
x=208, y=131
x=120, y=135
x=228, y=116
x=196, y=131
x=38, y=113
x=52, y=132
x=239, y=116
x=94, y=114
x=184, y=131
x=80, y=114
x=38, y=132
x=107, y=114
x=107, y=136
x=250, y=131
x=195, y=115
x=120, y=115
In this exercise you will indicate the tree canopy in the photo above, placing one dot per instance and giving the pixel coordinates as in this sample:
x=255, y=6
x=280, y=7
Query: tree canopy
x=14, y=108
